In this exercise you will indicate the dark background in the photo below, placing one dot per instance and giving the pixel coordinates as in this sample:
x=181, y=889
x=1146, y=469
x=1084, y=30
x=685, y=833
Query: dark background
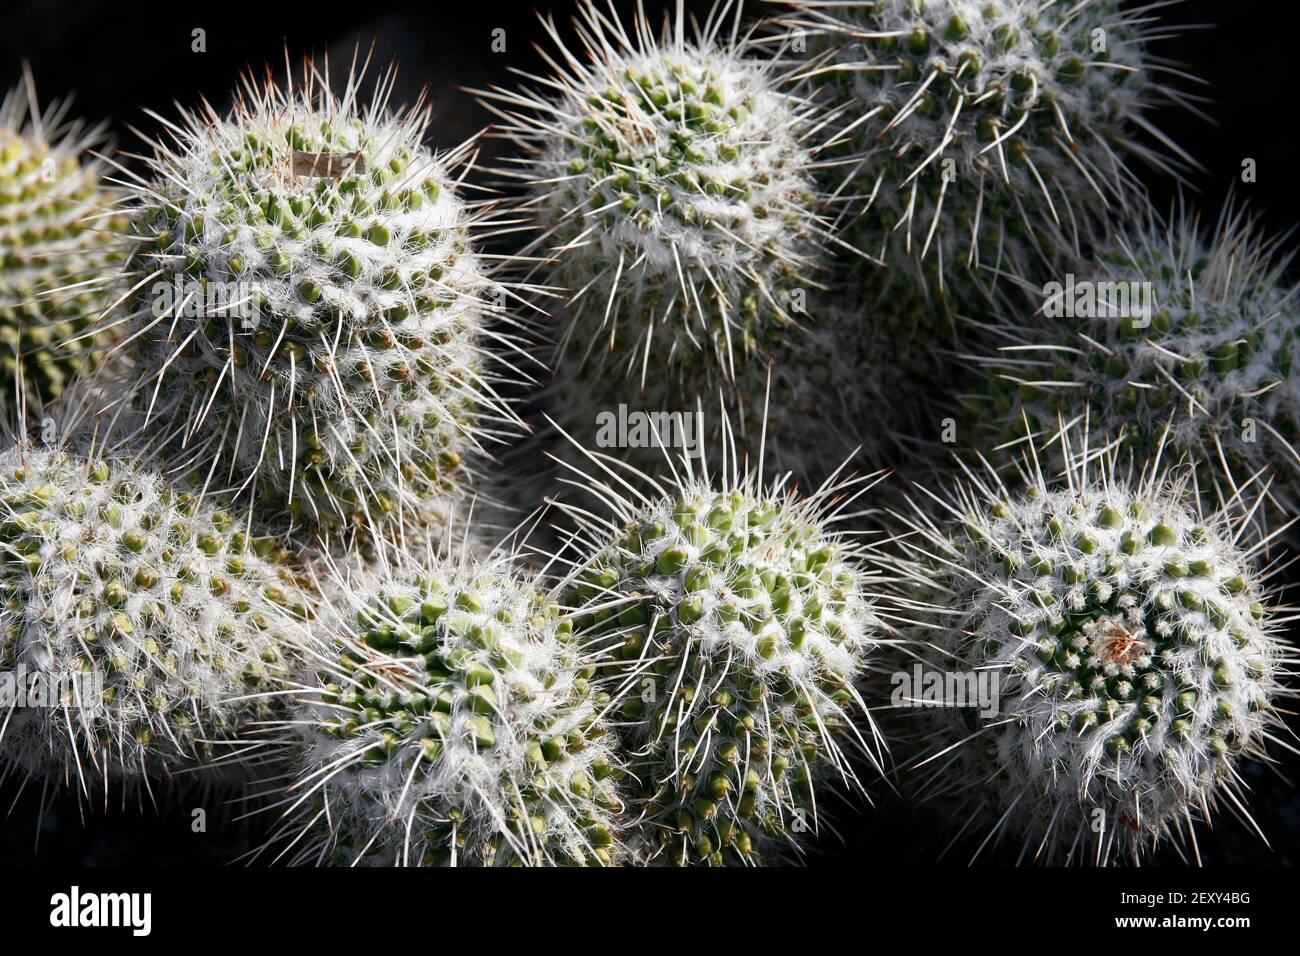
x=117, y=58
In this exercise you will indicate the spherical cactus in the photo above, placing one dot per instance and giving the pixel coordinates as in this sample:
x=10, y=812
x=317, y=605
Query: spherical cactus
x=741, y=622
x=673, y=184
x=1173, y=338
x=1132, y=661
x=56, y=241
x=987, y=135
x=142, y=621
x=454, y=722
x=311, y=312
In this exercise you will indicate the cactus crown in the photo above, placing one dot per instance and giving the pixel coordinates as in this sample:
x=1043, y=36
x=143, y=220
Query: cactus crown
x=56, y=241
x=1134, y=660
x=310, y=310
x=454, y=722
x=739, y=621
x=1190, y=345
x=151, y=615
x=987, y=132
x=672, y=180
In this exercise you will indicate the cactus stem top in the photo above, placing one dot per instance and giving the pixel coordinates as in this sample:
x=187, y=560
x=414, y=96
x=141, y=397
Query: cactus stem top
x=305, y=309
x=1130, y=641
x=671, y=176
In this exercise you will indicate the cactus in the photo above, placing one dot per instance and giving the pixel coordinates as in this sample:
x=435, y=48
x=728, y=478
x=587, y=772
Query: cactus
x=987, y=136
x=1190, y=347
x=740, y=621
x=453, y=722
x=311, y=314
x=1135, y=662
x=672, y=181
x=56, y=241
x=147, y=611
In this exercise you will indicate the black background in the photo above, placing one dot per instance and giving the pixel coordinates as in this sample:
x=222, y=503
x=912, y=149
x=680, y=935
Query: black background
x=118, y=57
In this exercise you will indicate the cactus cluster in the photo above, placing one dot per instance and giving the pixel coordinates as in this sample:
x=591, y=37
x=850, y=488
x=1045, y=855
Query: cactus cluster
x=1133, y=659
x=1186, y=340
x=309, y=310
x=57, y=219
x=155, y=601
x=259, y=535
x=989, y=136
x=454, y=721
x=740, y=622
x=673, y=184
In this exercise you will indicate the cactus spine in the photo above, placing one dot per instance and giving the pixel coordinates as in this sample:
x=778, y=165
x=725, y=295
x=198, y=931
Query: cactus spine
x=672, y=181
x=1177, y=338
x=987, y=137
